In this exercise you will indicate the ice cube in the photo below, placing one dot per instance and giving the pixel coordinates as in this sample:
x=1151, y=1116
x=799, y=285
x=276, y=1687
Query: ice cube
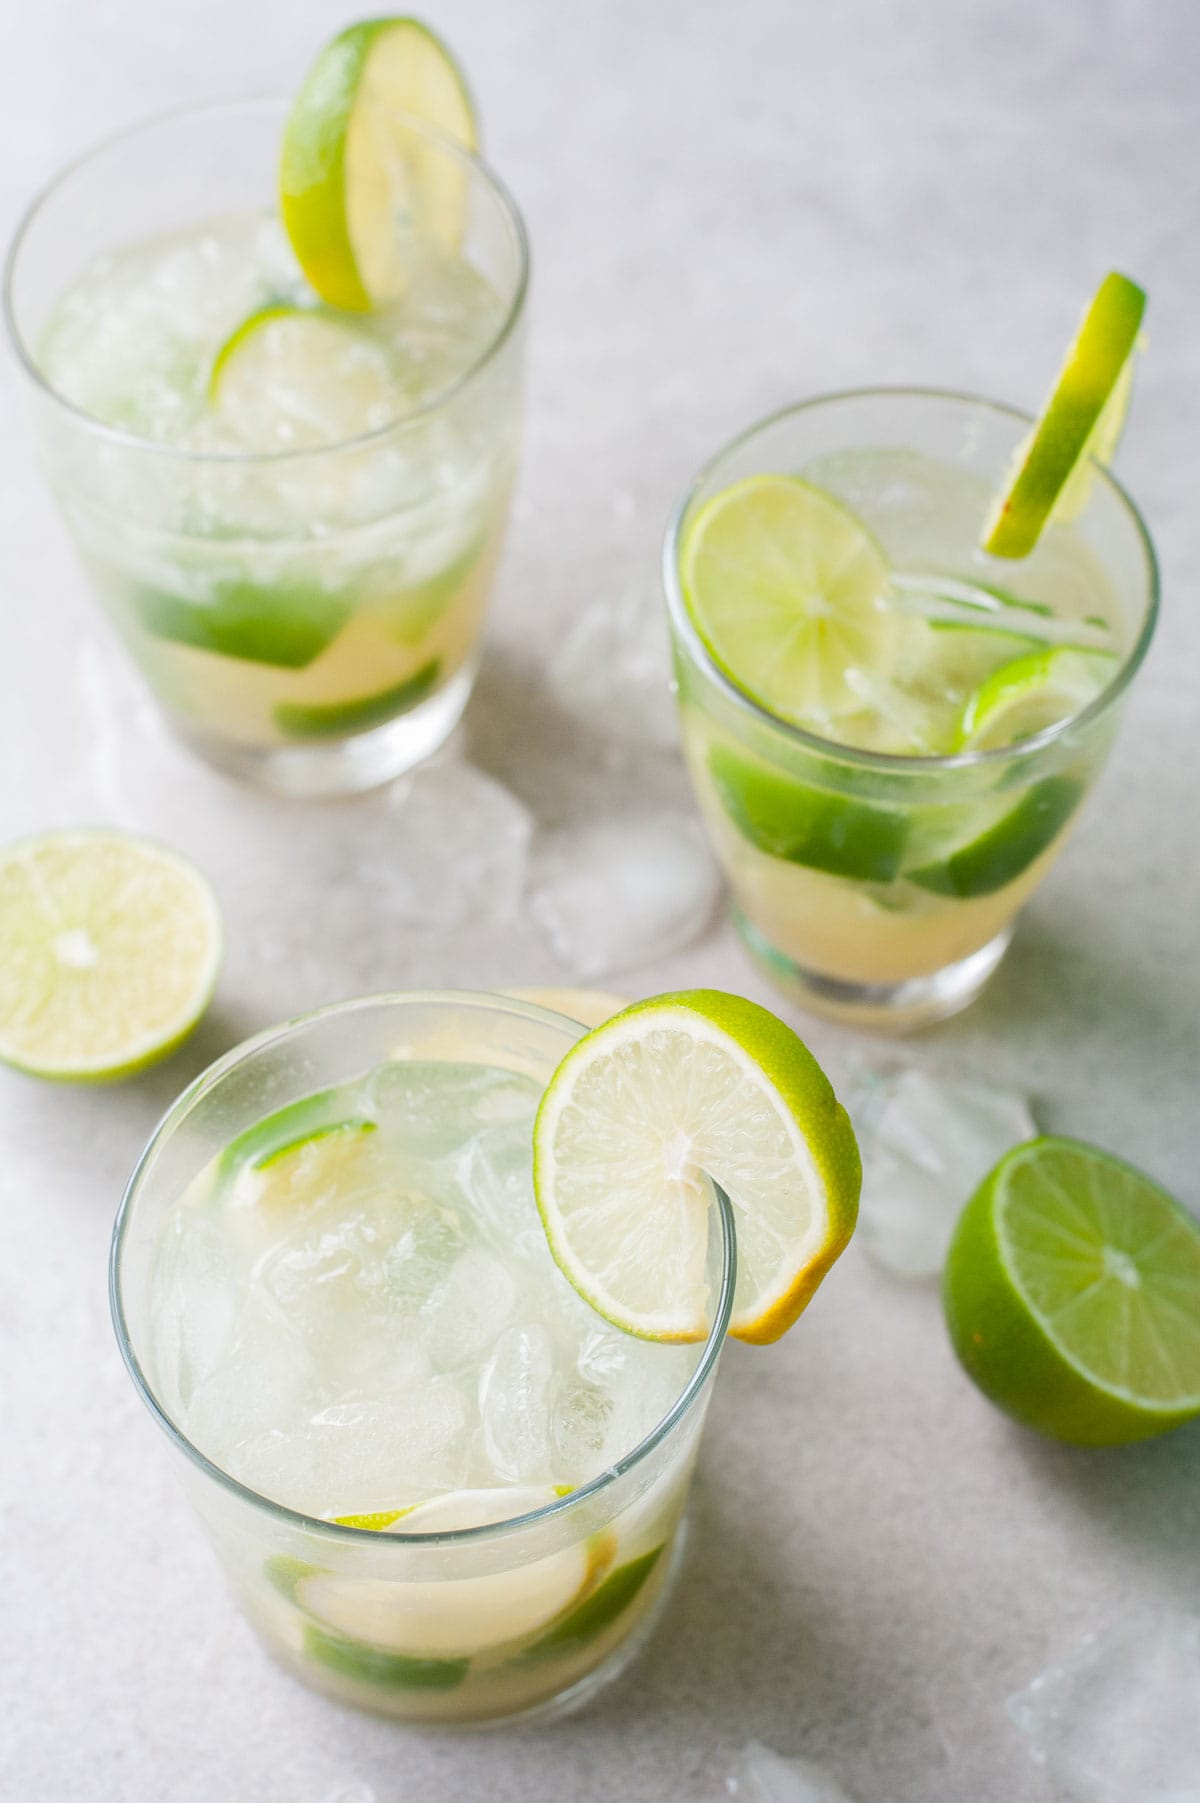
x=496, y=1176
x=430, y=1107
x=515, y=1404
x=620, y=891
x=1118, y=1718
x=613, y=671
x=927, y=1143
x=195, y=1308
x=469, y=1311
x=761, y=1775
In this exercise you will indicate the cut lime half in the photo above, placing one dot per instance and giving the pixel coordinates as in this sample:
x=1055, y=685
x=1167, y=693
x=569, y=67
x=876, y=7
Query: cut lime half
x=1080, y=423
x=352, y=170
x=1072, y=1295
x=109, y=951
x=640, y=1111
x=788, y=592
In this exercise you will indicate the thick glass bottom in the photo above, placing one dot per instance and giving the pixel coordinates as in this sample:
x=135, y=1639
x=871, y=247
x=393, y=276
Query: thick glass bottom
x=344, y=765
x=881, y=1007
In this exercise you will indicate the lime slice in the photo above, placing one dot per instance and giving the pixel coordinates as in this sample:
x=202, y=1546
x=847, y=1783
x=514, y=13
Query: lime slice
x=1072, y=1295
x=1080, y=422
x=1031, y=693
x=109, y=951
x=999, y=852
x=806, y=825
x=597, y=1612
x=292, y=378
x=456, y=1617
x=286, y=624
x=331, y=719
x=350, y=168
x=787, y=591
x=635, y=1117
x=312, y=1162
x=370, y=1665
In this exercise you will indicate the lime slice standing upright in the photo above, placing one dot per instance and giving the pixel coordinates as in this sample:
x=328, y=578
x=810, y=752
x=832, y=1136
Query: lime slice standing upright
x=640, y=1112
x=1072, y=1295
x=1080, y=422
x=109, y=951
x=350, y=167
x=788, y=592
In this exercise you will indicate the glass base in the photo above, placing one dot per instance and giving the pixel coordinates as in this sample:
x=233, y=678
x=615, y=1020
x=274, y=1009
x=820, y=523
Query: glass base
x=881, y=1007
x=342, y=766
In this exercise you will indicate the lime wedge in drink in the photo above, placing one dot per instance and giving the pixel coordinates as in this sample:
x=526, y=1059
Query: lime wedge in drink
x=788, y=592
x=998, y=851
x=1079, y=425
x=350, y=168
x=640, y=1112
x=820, y=828
x=1030, y=693
x=1072, y=1295
x=330, y=719
x=286, y=624
x=288, y=378
x=109, y=951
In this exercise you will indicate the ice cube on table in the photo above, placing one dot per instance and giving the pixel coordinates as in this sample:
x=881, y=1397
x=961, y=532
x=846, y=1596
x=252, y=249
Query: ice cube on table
x=1118, y=1719
x=761, y=1775
x=515, y=1404
x=620, y=891
x=927, y=1143
x=613, y=671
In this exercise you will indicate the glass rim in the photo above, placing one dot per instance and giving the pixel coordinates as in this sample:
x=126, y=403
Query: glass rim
x=134, y=441
x=208, y=1080
x=890, y=761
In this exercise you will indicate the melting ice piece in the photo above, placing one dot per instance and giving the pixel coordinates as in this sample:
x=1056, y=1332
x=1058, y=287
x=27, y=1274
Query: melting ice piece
x=1119, y=1718
x=514, y=1403
x=617, y=892
x=763, y=1776
x=927, y=1143
x=614, y=671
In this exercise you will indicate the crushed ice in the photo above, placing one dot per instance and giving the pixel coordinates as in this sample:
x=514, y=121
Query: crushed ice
x=1118, y=1719
x=927, y=1143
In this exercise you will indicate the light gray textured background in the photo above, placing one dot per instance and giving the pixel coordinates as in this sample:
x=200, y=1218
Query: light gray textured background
x=731, y=205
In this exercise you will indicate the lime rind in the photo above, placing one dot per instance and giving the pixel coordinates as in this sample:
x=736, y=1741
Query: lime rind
x=1000, y=852
x=334, y=719
x=804, y=824
x=1048, y=687
x=1084, y=413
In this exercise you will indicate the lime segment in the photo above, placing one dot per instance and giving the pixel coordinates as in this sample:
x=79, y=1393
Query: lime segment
x=311, y=721
x=806, y=825
x=286, y=624
x=1031, y=693
x=1001, y=851
x=788, y=593
x=640, y=1111
x=109, y=950
x=351, y=169
x=1080, y=422
x=1072, y=1295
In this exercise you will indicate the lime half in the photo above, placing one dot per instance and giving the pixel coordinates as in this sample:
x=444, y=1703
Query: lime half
x=640, y=1111
x=1072, y=1295
x=109, y=950
x=1080, y=423
x=788, y=592
x=351, y=169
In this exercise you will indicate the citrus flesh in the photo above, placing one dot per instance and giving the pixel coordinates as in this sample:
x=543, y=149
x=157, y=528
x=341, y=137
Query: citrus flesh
x=1072, y=1295
x=109, y=951
x=646, y=1107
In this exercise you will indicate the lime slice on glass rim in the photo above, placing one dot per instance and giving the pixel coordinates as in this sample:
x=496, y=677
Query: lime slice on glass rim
x=1028, y=694
x=674, y=1091
x=350, y=168
x=786, y=590
x=109, y=952
x=1072, y=1295
x=1078, y=426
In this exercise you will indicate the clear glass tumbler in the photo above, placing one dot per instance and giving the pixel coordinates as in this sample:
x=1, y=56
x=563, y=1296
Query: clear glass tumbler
x=882, y=889
x=307, y=619
x=299, y=1579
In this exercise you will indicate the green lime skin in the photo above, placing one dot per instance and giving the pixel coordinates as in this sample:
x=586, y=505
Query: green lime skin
x=1002, y=853
x=808, y=825
x=335, y=718
x=1007, y=1353
x=286, y=625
